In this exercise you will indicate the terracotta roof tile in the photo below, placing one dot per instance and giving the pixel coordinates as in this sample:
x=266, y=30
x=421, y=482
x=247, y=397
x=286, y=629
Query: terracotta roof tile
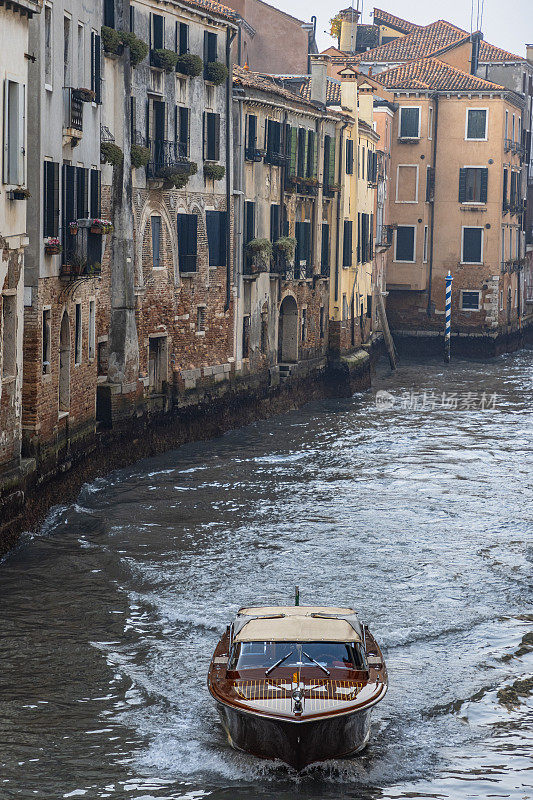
x=214, y=7
x=422, y=43
x=490, y=53
x=333, y=91
x=394, y=22
x=430, y=73
x=255, y=80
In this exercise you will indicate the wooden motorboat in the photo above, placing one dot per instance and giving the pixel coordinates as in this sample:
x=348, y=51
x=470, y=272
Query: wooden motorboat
x=297, y=683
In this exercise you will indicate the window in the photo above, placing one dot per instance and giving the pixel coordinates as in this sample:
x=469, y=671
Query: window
x=476, y=124
x=344, y=308
x=200, y=319
x=51, y=199
x=426, y=232
x=363, y=164
x=472, y=246
x=503, y=246
x=506, y=124
x=325, y=248
x=347, y=249
x=81, y=53
x=311, y=169
x=48, y=46
x=182, y=130
x=322, y=321
x=109, y=13
x=430, y=184
x=210, y=47
x=349, y=157
x=66, y=51
x=102, y=356
x=302, y=152
x=46, y=340
x=246, y=336
x=157, y=32
x=216, y=237
x=182, y=36
x=249, y=221
x=211, y=136
x=329, y=161
x=251, y=136
x=77, y=334
x=264, y=329
x=410, y=122
x=14, y=132
x=513, y=129
x=473, y=182
x=469, y=301
x=156, y=242
x=275, y=222
x=303, y=244
x=9, y=335
x=132, y=18
x=405, y=243
x=273, y=139
x=92, y=330
x=187, y=242
x=407, y=184
x=430, y=122
x=96, y=66
x=82, y=193
x=501, y=300
x=96, y=193
x=505, y=183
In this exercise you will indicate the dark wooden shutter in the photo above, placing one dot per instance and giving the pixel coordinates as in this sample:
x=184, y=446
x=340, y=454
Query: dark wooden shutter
x=183, y=132
x=69, y=210
x=349, y=157
x=187, y=228
x=325, y=247
x=96, y=193
x=82, y=193
x=216, y=136
x=109, y=13
x=274, y=222
x=250, y=221
x=347, y=245
x=158, y=23
x=293, y=164
x=359, y=238
x=251, y=141
x=311, y=138
x=97, y=44
x=183, y=43
x=51, y=199
x=484, y=185
x=133, y=117
x=505, y=181
x=212, y=219
x=462, y=185
x=332, y=151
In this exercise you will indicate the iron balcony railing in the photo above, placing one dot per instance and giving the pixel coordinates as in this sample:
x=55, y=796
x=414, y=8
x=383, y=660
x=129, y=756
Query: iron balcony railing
x=72, y=110
x=166, y=157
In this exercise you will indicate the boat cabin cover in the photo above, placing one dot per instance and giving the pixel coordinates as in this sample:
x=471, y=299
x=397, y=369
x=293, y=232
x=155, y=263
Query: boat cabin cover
x=296, y=624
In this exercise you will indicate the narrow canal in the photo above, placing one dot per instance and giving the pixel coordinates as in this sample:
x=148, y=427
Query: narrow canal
x=418, y=512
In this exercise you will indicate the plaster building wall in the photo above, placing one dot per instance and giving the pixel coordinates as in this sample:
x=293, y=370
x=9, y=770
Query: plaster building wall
x=14, y=24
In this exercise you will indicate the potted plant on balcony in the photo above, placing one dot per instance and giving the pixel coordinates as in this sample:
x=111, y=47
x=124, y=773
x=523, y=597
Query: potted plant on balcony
x=52, y=247
x=216, y=72
x=140, y=156
x=285, y=248
x=189, y=64
x=214, y=172
x=101, y=226
x=260, y=253
x=85, y=95
x=110, y=153
x=114, y=41
x=165, y=59
x=73, y=228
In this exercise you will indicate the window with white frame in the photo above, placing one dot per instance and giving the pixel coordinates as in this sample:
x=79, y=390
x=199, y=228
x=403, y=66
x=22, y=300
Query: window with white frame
x=430, y=122
x=476, y=124
x=470, y=300
x=66, y=50
x=503, y=246
x=14, y=132
x=410, y=122
x=501, y=300
x=405, y=243
x=81, y=53
x=426, y=233
x=472, y=246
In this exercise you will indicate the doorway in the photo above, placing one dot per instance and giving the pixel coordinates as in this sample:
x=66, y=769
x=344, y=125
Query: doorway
x=64, y=365
x=288, y=331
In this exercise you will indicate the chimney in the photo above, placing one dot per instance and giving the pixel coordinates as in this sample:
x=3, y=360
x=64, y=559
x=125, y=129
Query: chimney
x=348, y=78
x=476, y=39
x=529, y=53
x=349, y=18
x=319, y=79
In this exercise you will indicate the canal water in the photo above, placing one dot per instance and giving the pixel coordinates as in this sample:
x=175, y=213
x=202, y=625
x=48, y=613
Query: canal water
x=413, y=502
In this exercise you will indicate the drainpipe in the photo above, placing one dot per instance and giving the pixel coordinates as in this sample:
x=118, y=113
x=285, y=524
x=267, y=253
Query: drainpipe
x=432, y=212
x=338, y=237
x=230, y=36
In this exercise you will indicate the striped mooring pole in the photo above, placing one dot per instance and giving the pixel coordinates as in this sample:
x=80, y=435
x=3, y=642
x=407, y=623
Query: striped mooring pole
x=448, y=332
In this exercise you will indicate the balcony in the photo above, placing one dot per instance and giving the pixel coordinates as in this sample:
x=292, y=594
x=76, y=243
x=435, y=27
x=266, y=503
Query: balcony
x=72, y=114
x=508, y=145
x=276, y=159
x=166, y=158
x=254, y=154
x=384, y=238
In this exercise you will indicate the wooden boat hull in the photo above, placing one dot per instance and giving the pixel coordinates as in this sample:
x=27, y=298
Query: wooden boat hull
x=297, y=743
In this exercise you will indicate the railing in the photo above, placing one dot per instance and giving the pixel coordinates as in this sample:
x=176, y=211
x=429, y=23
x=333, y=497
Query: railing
x=276, y=159
x=385, y=236
x=72, y=110
x=508, y=145
x=164, y=156
x=254, y=154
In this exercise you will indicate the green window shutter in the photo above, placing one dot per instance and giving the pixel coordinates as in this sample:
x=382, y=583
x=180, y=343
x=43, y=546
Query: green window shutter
x=462, y=185
x=332, y=161
x=484, y=185
x=294, y=151
x=314, y=169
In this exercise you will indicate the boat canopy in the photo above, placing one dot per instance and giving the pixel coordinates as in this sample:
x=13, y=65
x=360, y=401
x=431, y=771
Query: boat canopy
x=297, y=624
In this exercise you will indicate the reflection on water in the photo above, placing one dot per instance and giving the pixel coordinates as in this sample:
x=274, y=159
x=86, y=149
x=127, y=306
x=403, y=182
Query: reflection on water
x=421, y=518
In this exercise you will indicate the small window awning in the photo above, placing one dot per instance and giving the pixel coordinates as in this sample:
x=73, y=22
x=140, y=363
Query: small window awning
x=297, y=624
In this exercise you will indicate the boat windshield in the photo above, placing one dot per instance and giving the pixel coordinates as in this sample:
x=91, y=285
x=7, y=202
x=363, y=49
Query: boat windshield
x=263, y=655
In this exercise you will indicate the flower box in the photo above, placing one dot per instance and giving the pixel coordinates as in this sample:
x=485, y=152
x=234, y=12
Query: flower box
x=52, y=247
